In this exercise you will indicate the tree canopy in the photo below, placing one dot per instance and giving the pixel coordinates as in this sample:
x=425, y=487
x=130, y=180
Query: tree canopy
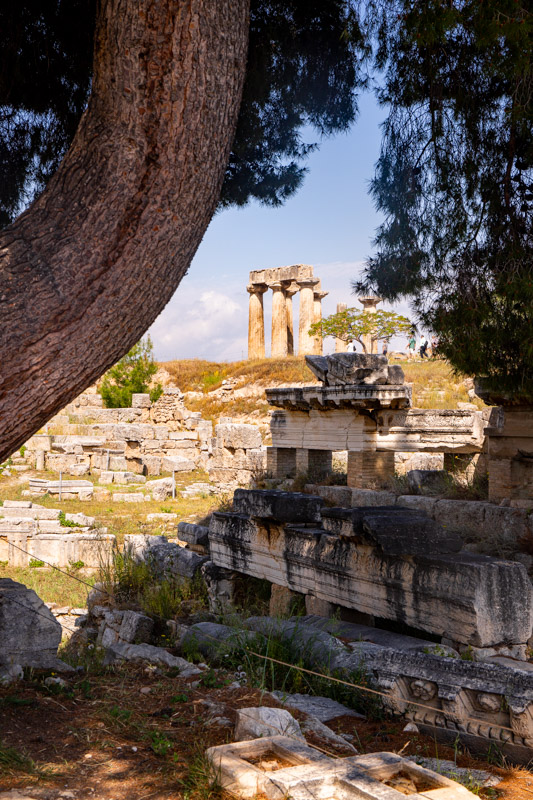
x=131, y=375
x=455, y=178
x=303, y=72
x=353, y=325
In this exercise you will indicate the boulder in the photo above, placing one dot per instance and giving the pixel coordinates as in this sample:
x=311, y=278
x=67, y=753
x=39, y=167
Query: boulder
x=257, y=723
x=322, y=708
x=29, y=632
x=135, y=628
x=121, y=651
x=214, y=641
x=281, y=506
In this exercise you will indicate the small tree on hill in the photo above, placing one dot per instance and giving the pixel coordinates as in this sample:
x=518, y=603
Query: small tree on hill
x=131, y=375
x=352, y=325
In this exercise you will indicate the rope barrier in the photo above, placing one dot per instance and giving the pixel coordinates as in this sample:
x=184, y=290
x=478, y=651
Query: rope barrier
x=299, y=668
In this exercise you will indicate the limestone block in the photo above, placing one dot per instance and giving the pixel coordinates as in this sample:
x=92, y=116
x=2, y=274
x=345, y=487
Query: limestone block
x=161, y=432
x=120, y=651
x=281, y=600
x=419, y=503
x=282, y=506
x=35, y=511
x=179, y=436
x=29, y=632
x=234, y=435
x=152, y=464
x=469, y=598
x=140, y=401
x=61, y=549
x=135, y=628
x=128, y=497
x=339, y=495
x=255, y=723
x=323, y=708
x=16, y=504
x=369, y=497
x=193, y=534
x=125, y=432
x=151, y=446
x=214, y=641
x=177, y=464
x=118, y=464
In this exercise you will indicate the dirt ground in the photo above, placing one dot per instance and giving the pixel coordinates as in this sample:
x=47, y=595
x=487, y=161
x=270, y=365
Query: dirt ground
x=137, y=733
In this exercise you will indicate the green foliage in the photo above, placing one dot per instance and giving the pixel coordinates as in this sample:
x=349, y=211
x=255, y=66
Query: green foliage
x=351, y=325
x=67, y=523
x=22, y=450
x=11, y=760
x=131, y=375
x=455, y=178
x=35, y=563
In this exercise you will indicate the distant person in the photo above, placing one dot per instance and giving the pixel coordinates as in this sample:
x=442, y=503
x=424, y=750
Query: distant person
x=434, y=347
x=411, y=347
x=385, y=348
x=350, y=347
x=423, y=347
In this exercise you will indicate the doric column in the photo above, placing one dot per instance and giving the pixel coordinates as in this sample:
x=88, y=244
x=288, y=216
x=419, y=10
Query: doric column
x=290, y=290
x=307, y=314
x=318, y=296
x=370, y=306
x=340, y=345
x=279, y=321
x=256, y=321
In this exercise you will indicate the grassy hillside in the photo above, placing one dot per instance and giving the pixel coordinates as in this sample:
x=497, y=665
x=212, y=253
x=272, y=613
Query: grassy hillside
x=434, y=384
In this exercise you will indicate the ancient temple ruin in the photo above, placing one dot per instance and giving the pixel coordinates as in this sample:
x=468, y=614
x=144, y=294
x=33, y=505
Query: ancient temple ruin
x=285, y=282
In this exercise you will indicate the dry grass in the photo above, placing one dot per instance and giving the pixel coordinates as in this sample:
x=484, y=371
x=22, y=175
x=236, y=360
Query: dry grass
x=51, y=585
x=193, y=374
x=212, y=408
x=435, y=385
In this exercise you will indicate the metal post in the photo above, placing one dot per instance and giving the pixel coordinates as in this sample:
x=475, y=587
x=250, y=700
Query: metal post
x=107, y=462
x=60, y=484
x=173, y=484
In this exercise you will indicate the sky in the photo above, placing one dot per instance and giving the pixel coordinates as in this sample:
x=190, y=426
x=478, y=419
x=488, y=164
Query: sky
x=329, y=223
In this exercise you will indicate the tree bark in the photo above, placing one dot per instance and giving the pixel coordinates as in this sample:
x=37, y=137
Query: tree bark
x=89, y=266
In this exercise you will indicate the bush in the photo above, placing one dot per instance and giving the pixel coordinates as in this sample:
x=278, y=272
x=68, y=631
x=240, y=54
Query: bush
x=131, y=375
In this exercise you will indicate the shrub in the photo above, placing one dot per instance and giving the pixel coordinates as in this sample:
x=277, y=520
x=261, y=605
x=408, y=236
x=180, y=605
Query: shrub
x=131, y=375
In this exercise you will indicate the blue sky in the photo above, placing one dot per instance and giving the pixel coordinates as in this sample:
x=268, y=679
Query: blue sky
x=329, y=223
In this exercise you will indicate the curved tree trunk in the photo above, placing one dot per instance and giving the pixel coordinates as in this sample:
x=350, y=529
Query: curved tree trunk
x=90, y=265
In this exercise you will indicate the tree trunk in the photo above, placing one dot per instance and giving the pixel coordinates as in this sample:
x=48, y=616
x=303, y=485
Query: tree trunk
x=86, y=270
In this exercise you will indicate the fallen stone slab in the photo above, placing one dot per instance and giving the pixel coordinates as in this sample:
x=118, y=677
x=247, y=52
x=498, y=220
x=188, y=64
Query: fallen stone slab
x=135, y=627
x=214, y=641
x=121, y=651
x=480, y=777
x=254, y=723
x=311, y=726
x=323, y=708
x=193, y=534
x=128, y=497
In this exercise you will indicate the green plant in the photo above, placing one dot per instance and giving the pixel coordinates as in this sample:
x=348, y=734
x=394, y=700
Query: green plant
x=76, y=565
x=160, y=743
x=122, y=714
x=67, y=523
x=35, y=563
x=183, y=697
x=202, y=781
x=131, y=375
x=22, y=450
x=467, y=654
x=11, y=760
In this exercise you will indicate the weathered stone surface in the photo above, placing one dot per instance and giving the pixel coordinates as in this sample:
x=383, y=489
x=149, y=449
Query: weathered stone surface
x=176, y=464
x=312, y=726
x=128, y=497
x=280, y=506
x=469, y=598
x=323, y=708
x=166, y=559
x=120, y=651
x=214, y=641
x=396, y=531
x=255, y=723
x=140, y=401
x=135, y=628
x=29, y=632
x=193, y=534
x=427, y=479
x=238, y=436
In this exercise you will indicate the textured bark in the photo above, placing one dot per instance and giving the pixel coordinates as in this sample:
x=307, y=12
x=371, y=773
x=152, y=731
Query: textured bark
x=86, y=270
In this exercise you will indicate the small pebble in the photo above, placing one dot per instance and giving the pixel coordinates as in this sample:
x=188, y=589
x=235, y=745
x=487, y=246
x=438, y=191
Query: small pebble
x=145, y=690
x=410, y=728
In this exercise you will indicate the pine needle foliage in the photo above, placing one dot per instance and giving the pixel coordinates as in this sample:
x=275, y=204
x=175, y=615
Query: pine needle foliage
x=131, y=375
x=455, y=178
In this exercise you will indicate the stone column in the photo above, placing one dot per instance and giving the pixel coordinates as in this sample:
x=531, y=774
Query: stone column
x=307, y=312
x=370, y=306
x=256, y=321
x=279, y=321
x=318, y=296
x=340, y=345
x=290, y=290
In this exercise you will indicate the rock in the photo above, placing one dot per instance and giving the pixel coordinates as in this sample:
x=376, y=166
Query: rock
x=281, y=506
x=410, y=728
x=135, y=628
x=176, y=464
x=214, y=640
x=55, y=680
x=166, y=558
x=427, y=479
x=238, y=436
x=463, y=775
x=10, y=673
x=314, y=727
x=29, y=632
x=323, y=708
x=154, y=655
x=193, y=534
x=256, y=723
